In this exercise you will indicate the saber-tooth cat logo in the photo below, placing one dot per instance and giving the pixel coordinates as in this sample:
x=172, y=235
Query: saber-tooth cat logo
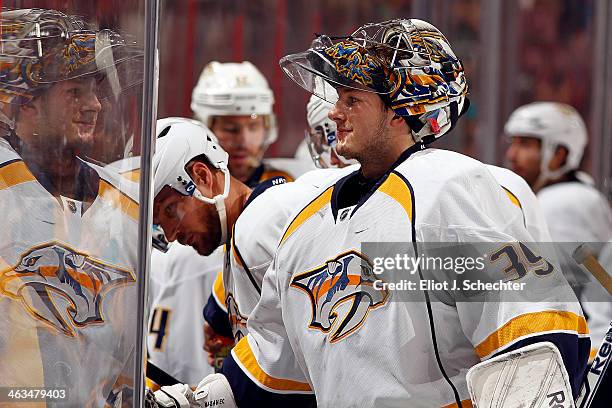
x=61, y=286
x=341, y=293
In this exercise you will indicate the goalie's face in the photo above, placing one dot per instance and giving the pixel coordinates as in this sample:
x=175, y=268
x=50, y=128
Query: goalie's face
x=65, y=115
x=362, y=123
x=187, y=220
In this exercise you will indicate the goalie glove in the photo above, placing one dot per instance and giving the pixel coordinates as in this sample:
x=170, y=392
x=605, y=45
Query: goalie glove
x=533, y=376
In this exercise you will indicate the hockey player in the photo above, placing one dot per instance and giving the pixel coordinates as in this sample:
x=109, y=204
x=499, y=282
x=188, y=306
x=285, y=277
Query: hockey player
x=247, y=221
x=321, y=326
x=235, y=102
x=68, y=254
x=547, y=144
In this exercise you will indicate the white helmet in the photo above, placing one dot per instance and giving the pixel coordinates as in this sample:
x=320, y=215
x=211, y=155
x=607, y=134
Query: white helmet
x=234, y=89
x=321, y=137
x=180, y=140
x=555, y=124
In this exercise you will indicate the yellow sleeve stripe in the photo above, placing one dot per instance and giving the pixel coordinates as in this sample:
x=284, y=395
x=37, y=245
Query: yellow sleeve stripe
x=308, y=212
x=151, y=385
x=246, y=359
x=219, y=290
x=268, y=174
x=464, y=404
x=397, y=189
x=109, y=193
x=14, y=173
x=531, y=324
x=512, y=198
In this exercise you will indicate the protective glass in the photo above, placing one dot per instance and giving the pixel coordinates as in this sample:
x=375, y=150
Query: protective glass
x=72, y=276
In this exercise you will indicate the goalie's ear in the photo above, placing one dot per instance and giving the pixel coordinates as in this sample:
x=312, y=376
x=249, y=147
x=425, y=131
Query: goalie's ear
x=532, y=376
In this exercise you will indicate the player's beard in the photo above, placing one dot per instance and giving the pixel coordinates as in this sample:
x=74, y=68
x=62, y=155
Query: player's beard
x=211, y=238
x=374, y=146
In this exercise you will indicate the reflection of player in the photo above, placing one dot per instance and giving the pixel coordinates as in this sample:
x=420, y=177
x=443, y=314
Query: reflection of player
x=235, y=102
x=547, y=143
x=67, y=260
x=399, y=87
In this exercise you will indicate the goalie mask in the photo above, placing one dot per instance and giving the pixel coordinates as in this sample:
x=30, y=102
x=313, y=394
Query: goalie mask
x=408, y=62
x=40, y=48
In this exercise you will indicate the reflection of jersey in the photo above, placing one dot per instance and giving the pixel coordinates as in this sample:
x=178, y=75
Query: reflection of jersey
x=322, y=326
x=181, y=281
x=67, y=286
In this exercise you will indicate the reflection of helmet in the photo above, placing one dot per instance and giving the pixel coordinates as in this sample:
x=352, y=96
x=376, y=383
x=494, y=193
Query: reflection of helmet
x=321, y=137
x=179, y=141
x=234, y=89
x=555, y=124
x=409, y=63
x=42, y=47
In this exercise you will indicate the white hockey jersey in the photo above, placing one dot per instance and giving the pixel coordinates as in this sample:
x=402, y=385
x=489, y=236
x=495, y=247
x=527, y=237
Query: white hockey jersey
x=67, y=287
x=523, y=196
x=324, y=326
x=181, y=281
x=255, y=237
x=576, y=212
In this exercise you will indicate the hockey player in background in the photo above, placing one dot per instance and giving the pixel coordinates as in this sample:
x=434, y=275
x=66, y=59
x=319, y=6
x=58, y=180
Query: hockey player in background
x=547, y=141
x=68, y=251
x=235, y=102
x=322, y=330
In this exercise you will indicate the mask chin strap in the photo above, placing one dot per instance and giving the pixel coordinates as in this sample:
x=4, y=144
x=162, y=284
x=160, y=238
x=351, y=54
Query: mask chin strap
x=219, y=202
x=548, y=151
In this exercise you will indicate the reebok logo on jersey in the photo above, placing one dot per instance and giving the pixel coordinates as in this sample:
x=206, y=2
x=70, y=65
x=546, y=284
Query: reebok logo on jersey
x=61, y=286
x=341, y=293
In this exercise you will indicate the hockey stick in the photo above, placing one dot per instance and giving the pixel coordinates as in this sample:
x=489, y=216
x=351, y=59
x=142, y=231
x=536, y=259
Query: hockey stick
x=599, y=373
x=159, y=376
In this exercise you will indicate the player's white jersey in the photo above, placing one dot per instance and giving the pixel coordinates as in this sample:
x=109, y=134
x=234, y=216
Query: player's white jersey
x=181, y=281
x=255, y=237
x=324, y=326
x=523, y=196
x=576, y=212
x=68, y=295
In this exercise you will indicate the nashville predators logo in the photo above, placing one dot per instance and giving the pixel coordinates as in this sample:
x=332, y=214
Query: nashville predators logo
x=62, y=287
x=341, y=293
x=237, y=320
